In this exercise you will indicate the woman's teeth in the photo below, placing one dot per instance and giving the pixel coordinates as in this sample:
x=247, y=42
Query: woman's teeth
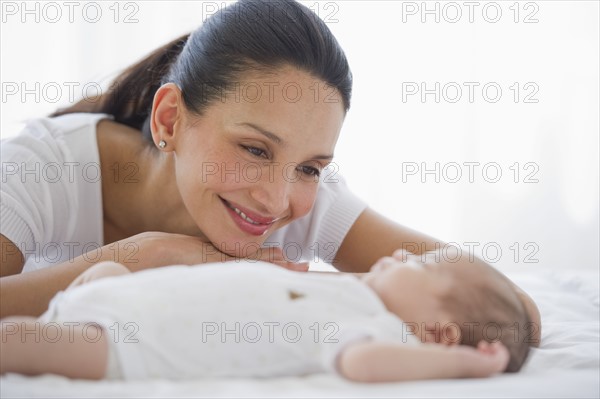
x=243, y=216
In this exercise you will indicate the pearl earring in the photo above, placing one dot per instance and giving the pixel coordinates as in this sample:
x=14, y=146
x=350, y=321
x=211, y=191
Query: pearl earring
x=162, y=144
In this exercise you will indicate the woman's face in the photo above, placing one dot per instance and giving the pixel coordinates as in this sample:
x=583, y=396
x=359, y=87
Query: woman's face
x=250, y=164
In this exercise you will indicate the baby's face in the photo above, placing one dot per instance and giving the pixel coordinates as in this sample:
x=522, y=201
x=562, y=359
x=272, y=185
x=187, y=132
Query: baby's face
x=411, y=286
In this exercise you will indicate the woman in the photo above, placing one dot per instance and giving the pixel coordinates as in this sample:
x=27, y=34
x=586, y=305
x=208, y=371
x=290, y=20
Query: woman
x=237, y=122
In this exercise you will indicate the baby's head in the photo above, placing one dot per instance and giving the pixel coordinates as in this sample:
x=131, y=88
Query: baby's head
x=446, y=298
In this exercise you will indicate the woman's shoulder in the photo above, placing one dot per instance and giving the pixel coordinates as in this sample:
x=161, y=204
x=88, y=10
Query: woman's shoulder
x=118, y=142
x=64, y=138
x=64, y=125
x=53, y=138
x=110, y=126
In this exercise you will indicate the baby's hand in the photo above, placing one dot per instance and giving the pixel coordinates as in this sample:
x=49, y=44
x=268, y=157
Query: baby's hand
x=487, y=359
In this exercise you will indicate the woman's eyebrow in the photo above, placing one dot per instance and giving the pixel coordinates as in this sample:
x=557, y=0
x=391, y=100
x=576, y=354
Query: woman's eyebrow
x=271, y=136
x=276, y=139
x=323, y=157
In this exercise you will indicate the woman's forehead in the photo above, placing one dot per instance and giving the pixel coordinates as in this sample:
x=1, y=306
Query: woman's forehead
x=291, y=114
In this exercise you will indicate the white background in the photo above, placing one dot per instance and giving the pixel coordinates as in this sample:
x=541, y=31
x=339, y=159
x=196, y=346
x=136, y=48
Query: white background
x=554, y=58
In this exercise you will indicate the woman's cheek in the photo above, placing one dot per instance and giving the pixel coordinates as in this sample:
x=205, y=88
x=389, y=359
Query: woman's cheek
x=189, y=183
x=225, y=176
x=305, y=194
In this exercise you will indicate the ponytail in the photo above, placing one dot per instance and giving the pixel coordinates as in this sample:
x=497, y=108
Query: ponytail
x=130, y=95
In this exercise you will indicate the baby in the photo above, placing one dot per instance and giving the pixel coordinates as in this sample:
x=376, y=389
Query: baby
x=412, y=317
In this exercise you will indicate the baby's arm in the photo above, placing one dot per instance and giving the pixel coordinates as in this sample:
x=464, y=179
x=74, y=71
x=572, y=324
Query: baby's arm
x=374, y=361
x=74, y=350
x=30, y=347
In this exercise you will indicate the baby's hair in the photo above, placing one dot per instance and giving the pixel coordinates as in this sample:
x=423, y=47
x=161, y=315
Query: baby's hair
x=489, y=309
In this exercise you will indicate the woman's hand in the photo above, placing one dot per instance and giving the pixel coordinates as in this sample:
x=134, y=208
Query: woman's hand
x=156, y=249
x=275, y=255
x=30, y=293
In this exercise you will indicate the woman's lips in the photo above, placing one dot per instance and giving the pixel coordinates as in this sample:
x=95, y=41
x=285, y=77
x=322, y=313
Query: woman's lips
x=248, y=221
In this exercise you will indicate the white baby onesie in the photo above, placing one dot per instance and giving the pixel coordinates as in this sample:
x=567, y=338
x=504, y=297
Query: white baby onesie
x=234, y=319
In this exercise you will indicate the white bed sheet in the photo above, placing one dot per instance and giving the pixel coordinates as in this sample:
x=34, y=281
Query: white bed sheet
x=566, y=365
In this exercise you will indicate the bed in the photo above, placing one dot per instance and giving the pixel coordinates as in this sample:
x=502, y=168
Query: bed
x=567, y=363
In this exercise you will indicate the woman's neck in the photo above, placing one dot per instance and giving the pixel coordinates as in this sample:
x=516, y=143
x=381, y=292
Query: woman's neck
x=139, y=192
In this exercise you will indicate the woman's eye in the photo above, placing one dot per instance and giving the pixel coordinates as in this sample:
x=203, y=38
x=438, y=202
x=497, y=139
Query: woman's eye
x=256, y=151
x=310, y=171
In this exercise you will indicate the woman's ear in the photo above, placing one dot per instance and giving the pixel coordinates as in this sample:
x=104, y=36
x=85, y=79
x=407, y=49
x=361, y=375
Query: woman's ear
x=167, y=109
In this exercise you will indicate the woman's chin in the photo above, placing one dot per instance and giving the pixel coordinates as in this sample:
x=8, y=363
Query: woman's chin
x=240, y=247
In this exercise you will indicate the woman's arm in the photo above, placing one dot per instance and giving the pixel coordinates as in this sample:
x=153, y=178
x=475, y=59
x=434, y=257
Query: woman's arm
x=373, y=236
x=28, y=294
x=388, y=362
x=11, y=258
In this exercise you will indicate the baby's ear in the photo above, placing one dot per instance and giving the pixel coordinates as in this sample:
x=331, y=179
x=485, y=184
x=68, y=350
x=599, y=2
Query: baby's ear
x=444, y=332
x=450, y=333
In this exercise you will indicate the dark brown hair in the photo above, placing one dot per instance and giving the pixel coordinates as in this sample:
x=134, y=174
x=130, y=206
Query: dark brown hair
x=247, y=35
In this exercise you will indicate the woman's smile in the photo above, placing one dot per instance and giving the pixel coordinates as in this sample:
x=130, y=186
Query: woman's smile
x=247, y=220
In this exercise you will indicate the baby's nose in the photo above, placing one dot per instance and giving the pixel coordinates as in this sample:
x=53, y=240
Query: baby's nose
x=383, y=263
x=401, y=254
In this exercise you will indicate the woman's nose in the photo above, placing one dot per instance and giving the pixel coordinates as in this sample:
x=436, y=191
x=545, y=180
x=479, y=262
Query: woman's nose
x=273, y=194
